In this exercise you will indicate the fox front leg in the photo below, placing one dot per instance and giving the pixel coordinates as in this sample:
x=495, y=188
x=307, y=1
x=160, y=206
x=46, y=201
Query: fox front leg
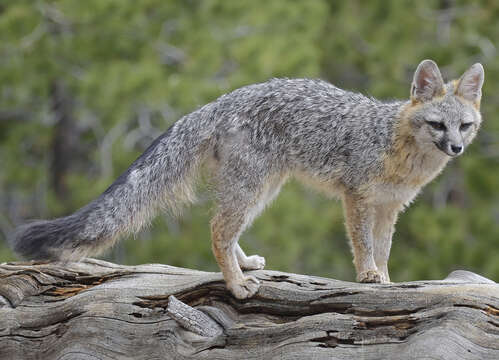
x=384, y=227
x=360, y=223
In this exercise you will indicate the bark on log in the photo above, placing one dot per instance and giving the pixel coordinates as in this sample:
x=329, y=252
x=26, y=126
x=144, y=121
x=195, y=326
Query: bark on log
x=98, y=310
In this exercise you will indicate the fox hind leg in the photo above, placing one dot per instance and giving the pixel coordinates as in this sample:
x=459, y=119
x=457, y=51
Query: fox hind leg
x=270, y=192
x=252, y=262
x=238, y=206
x=225, y=230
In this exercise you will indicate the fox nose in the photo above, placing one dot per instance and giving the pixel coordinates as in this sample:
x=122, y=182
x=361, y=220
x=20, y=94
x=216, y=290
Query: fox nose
x=456, y=149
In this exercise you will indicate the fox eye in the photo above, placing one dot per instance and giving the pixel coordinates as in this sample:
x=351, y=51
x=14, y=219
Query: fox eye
x=437, y=125
x=465, y=126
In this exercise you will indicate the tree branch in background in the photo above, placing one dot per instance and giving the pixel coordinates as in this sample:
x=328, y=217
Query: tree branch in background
x=64, y=139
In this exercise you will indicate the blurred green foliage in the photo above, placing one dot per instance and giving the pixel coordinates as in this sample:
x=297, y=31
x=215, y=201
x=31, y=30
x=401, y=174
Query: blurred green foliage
x=129, y=69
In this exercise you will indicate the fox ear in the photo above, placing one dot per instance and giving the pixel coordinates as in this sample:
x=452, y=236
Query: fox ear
x=427, y=82
x=470, y=84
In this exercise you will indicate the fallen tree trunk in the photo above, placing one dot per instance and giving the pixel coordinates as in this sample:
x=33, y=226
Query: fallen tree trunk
x=98, y=310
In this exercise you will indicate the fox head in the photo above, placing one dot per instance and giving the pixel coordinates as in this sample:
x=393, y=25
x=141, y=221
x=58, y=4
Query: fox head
x=445, y=116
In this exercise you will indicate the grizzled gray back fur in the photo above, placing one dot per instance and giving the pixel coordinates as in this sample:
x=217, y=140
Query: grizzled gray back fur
x=257, y=134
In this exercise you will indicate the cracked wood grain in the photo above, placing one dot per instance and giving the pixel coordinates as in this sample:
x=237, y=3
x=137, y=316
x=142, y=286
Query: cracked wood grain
x=98, y=310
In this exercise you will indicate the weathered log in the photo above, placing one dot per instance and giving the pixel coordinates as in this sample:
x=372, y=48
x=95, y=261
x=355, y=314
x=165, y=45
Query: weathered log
x=98, y=310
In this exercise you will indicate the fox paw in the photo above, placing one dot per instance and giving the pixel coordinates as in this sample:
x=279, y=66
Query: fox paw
x=246, y=288
x=253, y=262
x=370, y=276
x=385, y=278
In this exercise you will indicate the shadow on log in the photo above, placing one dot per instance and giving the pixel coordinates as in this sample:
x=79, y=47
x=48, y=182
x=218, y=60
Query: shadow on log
x=98, y=310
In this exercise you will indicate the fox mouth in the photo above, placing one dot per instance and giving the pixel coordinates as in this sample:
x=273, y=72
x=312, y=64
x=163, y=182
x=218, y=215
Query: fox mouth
x=442, y=149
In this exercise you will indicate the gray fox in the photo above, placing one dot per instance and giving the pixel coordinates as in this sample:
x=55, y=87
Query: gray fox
x=375, y=156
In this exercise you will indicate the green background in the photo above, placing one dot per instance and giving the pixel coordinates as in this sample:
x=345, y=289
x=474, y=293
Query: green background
x=85, y=86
